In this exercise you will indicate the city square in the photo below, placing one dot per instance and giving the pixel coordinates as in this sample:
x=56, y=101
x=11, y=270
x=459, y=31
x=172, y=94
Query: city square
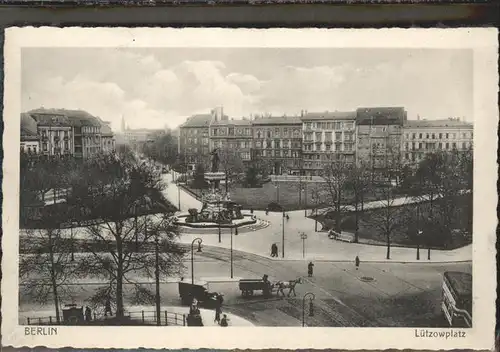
x=232, y=217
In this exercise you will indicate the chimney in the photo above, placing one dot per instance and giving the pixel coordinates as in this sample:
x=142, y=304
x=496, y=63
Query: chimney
x=418, y=117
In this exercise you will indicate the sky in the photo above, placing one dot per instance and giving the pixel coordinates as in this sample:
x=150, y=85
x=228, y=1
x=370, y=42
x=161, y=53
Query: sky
x=161, y=87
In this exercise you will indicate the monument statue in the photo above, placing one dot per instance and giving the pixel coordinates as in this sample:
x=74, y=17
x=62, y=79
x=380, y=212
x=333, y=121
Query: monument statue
x=215, y=160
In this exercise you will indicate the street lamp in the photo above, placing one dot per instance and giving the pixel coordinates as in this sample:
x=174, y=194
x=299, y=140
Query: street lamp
x=157, y=281
x=311, y=307
x=218, y=220
x=232, y=252
x=419, y=236
x=303, y=237
x=283, y=235
x=199, y=240
x=305, y=198
x=277, y=186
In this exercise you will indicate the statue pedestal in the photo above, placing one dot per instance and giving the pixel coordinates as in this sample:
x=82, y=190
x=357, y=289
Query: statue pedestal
x=214, y=179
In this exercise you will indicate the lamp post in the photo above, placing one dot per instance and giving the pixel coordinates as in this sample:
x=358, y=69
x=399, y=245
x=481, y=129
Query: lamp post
x=231, y=252
x=157, y=281
x=305, y=198
x=314, y=198
x=283, y=235
x=199, y=240
x=277, y=186
x=218, y=220
x=303, y=237
x=311, y=312
x=178, y=194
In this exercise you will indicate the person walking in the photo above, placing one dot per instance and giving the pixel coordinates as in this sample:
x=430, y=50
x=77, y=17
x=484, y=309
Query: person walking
x=218, y=311
x=88, y=314
x=224, y=321
x=356, y=262
x=310, y=267
x=107, y=308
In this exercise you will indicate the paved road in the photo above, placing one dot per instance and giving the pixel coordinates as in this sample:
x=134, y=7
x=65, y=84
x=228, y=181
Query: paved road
x=317, y=246
x=399, y=295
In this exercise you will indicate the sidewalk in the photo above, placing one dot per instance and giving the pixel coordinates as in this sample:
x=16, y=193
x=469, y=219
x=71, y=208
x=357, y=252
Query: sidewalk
x=318, y=246
x=206, y=314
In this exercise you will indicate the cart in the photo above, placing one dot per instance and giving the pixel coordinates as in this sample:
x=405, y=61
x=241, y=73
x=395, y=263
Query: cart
x=248, y=286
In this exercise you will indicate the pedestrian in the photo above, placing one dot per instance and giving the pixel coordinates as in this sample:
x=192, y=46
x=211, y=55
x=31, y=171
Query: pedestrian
x=218, y=311
x=88, y=314
x=287, y=217
x=310, y=267
x=356, y=261
x=267, y=211
x=107, y=308
x=224, y=321
x=274, y=250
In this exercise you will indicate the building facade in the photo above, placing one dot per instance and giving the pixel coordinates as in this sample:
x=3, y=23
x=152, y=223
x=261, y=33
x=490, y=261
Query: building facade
x=277, y=141
x=194, y=140
x=327, y=137
x=231, y=137
x=70, y=132
x=378, y=141
x=425, y=136
x=56, y=133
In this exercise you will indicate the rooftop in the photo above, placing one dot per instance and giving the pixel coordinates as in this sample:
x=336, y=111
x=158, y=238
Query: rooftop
x=381, y=116
x=201, y=120
x=57, y=117
x=28, y=125
x=278, y=120
x=437, y=123
x=235, y=122
x=330, y=115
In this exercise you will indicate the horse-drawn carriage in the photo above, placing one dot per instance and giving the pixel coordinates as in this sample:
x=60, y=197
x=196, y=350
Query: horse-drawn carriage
x=248, y=286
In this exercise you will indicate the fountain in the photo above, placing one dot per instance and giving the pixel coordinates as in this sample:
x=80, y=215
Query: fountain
x=217, y=210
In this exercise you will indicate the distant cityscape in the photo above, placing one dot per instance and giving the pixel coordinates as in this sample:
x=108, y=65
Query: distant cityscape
x=379, y=138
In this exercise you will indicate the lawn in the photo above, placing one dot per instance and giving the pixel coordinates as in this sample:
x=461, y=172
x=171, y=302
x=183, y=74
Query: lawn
x=287, y=194
x=370, y=233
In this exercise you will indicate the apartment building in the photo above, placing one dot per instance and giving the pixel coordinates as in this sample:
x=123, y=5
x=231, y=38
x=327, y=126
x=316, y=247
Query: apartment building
x=30, y=140
x=194, y=139
x=327, y=137
x=278, y=142
x=425, y=136
x=55, y=131
x=378, y=137
x=230, y=135
x=71, y=132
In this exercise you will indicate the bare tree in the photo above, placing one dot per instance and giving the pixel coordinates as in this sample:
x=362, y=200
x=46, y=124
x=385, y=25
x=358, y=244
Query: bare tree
x=45, y=267
x=118, y=190
x=336, y=175
x=230, y=163
x=359, y=183
x=389, y=218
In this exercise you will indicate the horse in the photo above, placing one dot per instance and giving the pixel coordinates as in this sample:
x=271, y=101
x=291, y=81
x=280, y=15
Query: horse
x=290, y=285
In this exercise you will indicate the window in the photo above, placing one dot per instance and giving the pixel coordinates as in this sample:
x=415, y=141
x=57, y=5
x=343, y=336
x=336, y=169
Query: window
x=44, y=147
x=447, y=146
x=328, y=136
x=338, y=136
x=276, y=153
x=348, y=147
x=420, y=136
x=440, y=136
x=412, y=145
x=406, y=146
x=433, y=136
x=242, y=144
x=258, y=134
x=454, y=145
x=285, y=131
x=328, y=147
x=277, y=144
x=276, y=131
x=453, y=136
x=413, y=135
x=257, y=144
x=419, y=145
x=440, y=145
x=337, y=125
x=318, y=136
x=447, y=135
x=464, y=146
x=308, y=125
x=268, y=134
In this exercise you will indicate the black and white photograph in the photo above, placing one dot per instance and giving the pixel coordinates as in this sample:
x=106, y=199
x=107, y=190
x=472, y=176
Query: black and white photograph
x=211, y=186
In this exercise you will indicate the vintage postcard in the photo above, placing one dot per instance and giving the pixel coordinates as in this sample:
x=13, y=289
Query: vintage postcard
x=299, y=188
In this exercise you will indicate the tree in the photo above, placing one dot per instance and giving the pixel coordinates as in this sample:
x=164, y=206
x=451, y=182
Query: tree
x=45, y=267
x=115, y=188
x=251, y=176
x=389, y=218
x=230, y=163
x=358, y=182
x=199, y=177
x=336, y=177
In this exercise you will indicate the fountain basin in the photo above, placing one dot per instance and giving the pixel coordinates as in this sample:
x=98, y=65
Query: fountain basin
x=248, y=219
